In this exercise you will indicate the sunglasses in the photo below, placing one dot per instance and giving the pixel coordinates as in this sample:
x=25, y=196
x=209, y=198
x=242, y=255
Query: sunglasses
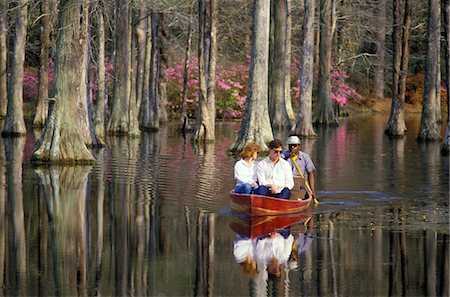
x=277, y=151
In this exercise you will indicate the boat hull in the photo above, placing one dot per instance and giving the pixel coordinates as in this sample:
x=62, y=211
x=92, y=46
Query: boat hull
x=258, y=205
x=254, y=227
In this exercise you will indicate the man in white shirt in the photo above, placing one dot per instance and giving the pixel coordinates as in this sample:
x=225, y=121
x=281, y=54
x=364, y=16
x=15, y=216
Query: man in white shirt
x=274, y=173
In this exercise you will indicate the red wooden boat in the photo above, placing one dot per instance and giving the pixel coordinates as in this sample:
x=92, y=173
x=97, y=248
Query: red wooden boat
x=258, y=205
x=253, y=227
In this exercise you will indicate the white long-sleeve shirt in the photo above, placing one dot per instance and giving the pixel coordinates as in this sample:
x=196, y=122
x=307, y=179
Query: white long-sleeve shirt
x=244, y=173
x=278, y=174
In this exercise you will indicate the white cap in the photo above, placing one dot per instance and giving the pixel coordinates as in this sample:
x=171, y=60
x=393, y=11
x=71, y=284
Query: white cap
x=293, y=140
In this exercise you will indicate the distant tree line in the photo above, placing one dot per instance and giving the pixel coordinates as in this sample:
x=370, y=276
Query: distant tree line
x=70, y=42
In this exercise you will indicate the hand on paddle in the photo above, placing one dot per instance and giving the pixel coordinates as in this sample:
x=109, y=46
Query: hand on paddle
x=309, y=190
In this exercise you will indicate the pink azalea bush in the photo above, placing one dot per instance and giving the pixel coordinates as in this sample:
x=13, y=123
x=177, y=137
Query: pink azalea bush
x=30, y=84
x=31, y=80
x=341, y=92
x=230, y=88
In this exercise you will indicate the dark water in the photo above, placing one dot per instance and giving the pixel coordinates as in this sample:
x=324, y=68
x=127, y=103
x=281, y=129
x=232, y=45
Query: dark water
x=152, y=218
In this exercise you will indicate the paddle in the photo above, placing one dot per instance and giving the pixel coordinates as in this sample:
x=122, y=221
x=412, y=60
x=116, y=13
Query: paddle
x=308, y=188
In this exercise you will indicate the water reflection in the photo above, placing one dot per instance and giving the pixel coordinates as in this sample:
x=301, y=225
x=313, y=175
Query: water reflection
x=65, y=191
x=152, y=218
x=267, y=248
x=14, y=148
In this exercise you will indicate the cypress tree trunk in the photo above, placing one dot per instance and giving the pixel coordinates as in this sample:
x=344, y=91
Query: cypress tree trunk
x=396, y=124
x=62, y=140
x=123, y=119
x=446, y=143
x=184, y=120
x=140, y=31
x=429, y=125
x=151, y=122
x=304, y=111
x=99, y=122
x=14, y=123
x=206, y=115
x=277, y=105
x=44, y=68
x=144, y=110
x=380, y=36
x=255, y=125
x=3, y=59
x=324, y=113
x=287, y=67
x=163, y=48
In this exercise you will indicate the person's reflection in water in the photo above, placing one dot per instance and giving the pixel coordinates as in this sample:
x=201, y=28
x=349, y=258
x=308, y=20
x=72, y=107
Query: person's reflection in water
x=274, y=250
x=244, y=254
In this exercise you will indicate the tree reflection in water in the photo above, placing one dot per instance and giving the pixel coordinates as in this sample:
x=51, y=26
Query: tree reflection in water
x=13, y=154
x=65, y=192
x=151, y=217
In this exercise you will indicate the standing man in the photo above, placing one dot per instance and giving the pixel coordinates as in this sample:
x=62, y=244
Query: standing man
x=274, y=173
x=303, y=160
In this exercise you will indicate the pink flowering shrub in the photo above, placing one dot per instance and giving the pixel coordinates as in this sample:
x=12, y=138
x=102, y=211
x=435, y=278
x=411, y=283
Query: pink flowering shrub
x=230, y=88
x=31, y=80
x=30, y=84
x=340, y=92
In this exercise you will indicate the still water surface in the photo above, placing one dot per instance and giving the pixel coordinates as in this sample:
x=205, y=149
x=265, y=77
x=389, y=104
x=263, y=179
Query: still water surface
x=152, y=218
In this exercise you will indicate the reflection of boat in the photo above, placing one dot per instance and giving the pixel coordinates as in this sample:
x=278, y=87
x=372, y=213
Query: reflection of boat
x=257, y=205
x=258, y=226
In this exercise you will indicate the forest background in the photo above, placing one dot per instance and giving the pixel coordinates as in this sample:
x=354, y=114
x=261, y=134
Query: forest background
x=131, y=65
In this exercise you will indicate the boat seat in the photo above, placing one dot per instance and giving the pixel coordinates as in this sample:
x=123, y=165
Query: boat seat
x=298, y=192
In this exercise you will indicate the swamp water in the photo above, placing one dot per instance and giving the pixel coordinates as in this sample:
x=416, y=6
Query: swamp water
x=152, y=218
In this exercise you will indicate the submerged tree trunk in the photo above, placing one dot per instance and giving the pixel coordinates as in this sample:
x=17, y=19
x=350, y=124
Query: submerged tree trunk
x=303, y=124
x=429, y=125
x=207, y=52
x=3, y=59
x=14, y=123
x=123, y=119
x=324, y=113
x=255, y=125
x=396, y=125
x=381, y=50
x=62, y=140
x=44, y=67
x=277, y=105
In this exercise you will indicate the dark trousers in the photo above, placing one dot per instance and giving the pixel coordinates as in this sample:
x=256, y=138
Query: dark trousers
x=265, y=191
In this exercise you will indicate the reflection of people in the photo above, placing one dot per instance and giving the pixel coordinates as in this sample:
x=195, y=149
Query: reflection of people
x=274, y=173
x=245, y=169
x=244, y=254
x=274, y=250
x=303, y=242
x=302, y=159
